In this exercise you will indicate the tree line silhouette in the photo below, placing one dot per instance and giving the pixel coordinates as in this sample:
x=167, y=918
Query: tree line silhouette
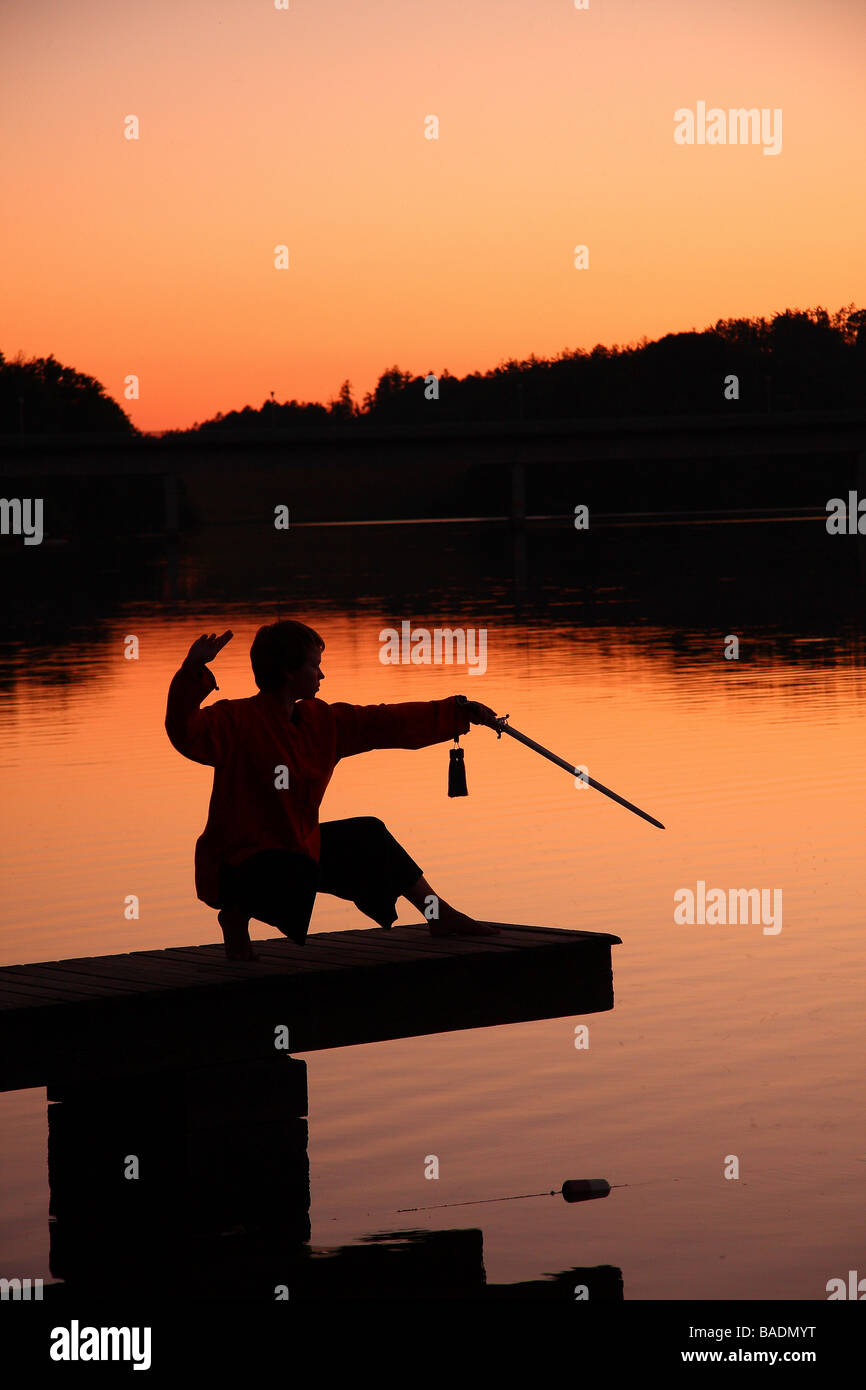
x=39, y=395
x=796, y=360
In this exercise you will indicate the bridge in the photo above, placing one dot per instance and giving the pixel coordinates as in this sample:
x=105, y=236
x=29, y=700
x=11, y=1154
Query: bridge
x=360, y=471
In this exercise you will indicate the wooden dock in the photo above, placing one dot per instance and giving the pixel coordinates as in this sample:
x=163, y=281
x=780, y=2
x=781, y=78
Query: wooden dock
x=69, y=1020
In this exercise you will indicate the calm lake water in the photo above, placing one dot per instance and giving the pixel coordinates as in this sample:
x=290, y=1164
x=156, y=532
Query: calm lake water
x=724, y=1040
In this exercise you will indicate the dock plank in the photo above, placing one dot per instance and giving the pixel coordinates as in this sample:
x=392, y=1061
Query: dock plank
x=360, y=955
x=36, y=980
x=186, y=969
x=24, y=999
x=425, y=947
x=292, y=958
x=318, y=950
x=417, y=937
x=195, y=975
x=109, y=971
x=88, y=982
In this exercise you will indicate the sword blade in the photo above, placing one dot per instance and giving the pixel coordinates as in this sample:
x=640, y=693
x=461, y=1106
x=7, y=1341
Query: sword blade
x=569, y=767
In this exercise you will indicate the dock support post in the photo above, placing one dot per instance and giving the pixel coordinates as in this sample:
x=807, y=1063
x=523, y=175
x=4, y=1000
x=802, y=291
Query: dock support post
x=150, y=1175
x=170, y=503
x=861, y=540
x=518, y=493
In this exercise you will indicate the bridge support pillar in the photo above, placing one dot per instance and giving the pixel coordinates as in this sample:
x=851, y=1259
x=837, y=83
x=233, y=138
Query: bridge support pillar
x=518, y=493
x=170, y=502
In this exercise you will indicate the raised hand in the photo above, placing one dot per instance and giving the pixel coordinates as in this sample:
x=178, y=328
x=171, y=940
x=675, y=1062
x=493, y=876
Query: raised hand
x=205, y=648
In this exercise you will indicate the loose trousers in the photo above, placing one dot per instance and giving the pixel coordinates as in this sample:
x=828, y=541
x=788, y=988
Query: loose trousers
x=360, y=861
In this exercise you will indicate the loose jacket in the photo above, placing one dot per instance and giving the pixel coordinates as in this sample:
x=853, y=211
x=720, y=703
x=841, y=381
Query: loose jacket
x=249, y=742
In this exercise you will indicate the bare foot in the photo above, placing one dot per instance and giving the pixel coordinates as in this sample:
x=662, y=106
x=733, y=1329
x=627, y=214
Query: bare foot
x=236, y=934
x=453, y=923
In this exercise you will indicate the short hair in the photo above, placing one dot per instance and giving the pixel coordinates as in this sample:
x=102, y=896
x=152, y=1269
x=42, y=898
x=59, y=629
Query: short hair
x=280, y=648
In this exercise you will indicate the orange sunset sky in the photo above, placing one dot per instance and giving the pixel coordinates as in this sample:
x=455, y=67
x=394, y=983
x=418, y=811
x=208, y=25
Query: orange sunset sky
x=306, y=127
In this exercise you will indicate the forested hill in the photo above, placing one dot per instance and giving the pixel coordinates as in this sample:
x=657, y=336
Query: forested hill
x=40, y=396
x=798, y=360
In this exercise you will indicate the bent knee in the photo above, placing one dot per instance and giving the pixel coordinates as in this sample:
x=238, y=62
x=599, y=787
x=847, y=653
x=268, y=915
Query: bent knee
x=372, y=825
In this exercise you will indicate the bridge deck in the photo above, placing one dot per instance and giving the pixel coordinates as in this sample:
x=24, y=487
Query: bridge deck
x=187, y=1006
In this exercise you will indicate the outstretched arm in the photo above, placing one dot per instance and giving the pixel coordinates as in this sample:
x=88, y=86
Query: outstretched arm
x=196, y=733
x=361, y=728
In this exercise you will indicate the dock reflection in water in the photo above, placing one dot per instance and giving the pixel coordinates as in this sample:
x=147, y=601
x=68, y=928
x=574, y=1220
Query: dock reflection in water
x=196, y=1185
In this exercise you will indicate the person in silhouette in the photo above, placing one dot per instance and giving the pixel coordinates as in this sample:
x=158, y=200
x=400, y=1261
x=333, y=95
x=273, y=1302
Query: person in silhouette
x=263, y=853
